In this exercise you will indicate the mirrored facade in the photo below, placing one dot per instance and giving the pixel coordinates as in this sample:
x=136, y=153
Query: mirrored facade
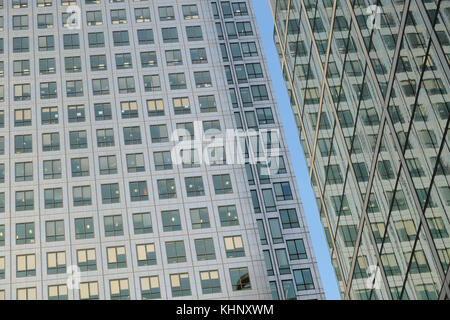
x=369, y=89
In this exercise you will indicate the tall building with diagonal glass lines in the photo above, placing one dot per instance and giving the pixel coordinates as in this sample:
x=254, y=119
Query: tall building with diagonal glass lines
x=369, y=88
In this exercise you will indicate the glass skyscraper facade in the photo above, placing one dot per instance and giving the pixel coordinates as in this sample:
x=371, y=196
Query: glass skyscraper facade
x=98, y=99
x=369, y=88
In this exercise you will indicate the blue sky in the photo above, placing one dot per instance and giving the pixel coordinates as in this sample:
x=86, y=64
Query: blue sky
x=265, y=24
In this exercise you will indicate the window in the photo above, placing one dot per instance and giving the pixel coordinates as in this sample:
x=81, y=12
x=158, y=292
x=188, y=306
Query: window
x=57, y=292
x=289, y=289
x=155, y=107
x=348, y=233
x=269, y=201
x=46, y=43
x=138, y=191
x=78, y=139
x=207, y=103
x=25, y=265
x=149, y=59
x=100, y=87
x=116, y=257
x=228, y=216
x=190, y=11
x=283, y=262
x=170, y=35
x=199, y=218
x=166, y=13
x=52, y=169
x=24, y=171
x=94, y=18
x=96, y=40
x=222, y=184
x=181, y=105
x=142, y=15
x=22, y=92
x=56, y=262
x=135, y=162
x=102, y=111
x=254, y=70
x=132, y=135
x=119, y=289
x=146, y=254
x=171, y=220
x=118, y=16
x=174, y=57
x=205, y=249
x=240, y=279
x=25, y=233
x=282, y=191
x=142, y=223
x=194, y=33
x=71, y=41
x=26, y=293
x=152, y=83
x=21, y=67
x=48, y=90
x=198, y=56
x=210, y=282
x=89, y=290
x=23, y=144
x=249, y=49
x=110, y=193
x=76, y=113
x=202, y=79
x=98, y=62
x=82, y=196
x=53, y=198
x=275, y=230
x=175, y=252
x=145, y=36
x=45, y=21
x=105, y=138
x=21, y=44
x=194, y=186
x=234, y=247
x=72, y=64
x=80, y=167
x=177, y=81
x=54, y=231
x=296, y=249
x=2, y=235
x=24, y=200
x=123, y=61
x=113, y=226
x=150, y=288
x=180, y=285
x=341, y=206
x=86, y=260
x=74, y=88
x=167, y=189
x=121, y=38
x=159, y=133
x=129, y=109
x=303, y=279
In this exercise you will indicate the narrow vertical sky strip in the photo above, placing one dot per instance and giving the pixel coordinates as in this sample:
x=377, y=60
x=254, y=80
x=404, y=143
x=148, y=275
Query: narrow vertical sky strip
x=265, y=25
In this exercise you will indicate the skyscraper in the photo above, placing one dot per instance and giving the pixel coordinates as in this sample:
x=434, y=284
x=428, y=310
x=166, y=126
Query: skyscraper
x=369, y=88
x=110, y=185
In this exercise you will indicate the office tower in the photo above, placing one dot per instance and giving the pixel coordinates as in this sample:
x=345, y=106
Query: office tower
x=369, y=88
x=91, y=179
